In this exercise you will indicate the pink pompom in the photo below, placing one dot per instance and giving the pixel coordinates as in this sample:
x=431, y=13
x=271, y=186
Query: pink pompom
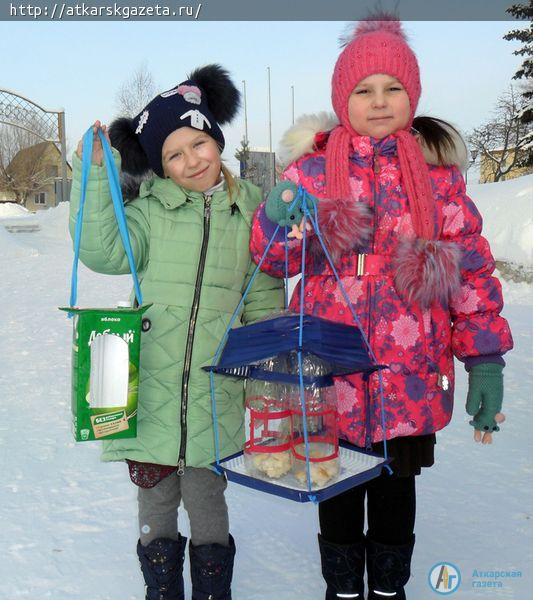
x=344, y=224
x=377, y=22
x=427, y=271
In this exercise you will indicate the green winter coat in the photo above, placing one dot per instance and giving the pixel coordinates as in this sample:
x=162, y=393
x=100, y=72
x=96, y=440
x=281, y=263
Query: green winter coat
x=168, y=227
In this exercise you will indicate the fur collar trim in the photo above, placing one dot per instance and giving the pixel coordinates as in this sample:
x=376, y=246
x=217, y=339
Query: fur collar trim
x=301, y=139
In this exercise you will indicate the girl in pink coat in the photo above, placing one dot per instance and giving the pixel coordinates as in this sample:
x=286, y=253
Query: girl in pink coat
x=406, y=241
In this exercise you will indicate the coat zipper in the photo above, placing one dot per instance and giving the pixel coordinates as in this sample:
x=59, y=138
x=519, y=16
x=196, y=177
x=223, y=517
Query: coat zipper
x=190, y=336
x=376, y=168
x=368, y=397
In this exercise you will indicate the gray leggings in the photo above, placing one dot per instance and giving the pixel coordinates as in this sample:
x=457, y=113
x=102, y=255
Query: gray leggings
x=202, y=492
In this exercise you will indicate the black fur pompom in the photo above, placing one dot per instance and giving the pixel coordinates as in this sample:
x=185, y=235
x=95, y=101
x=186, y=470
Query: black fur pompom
x=123, y=138
x=441, y=143
x=223, y=98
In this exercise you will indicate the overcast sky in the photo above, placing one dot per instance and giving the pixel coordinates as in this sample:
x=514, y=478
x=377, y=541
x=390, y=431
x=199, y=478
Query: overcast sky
x=465, y=66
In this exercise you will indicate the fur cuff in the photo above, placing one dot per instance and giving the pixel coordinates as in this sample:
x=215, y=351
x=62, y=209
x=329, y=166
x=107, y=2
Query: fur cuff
x=344, y=224
x=300, y=138
x=427, y=271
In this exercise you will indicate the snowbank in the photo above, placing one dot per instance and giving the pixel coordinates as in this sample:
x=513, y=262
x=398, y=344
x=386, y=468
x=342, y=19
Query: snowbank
x=517, y=293
x=507, y=210
x=10, y=209
x=54, y=222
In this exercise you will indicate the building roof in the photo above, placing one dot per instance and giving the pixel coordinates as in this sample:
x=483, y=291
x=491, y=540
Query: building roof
x=32, y=153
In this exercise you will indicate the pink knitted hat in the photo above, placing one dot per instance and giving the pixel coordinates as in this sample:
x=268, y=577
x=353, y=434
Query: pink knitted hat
x=379, y=46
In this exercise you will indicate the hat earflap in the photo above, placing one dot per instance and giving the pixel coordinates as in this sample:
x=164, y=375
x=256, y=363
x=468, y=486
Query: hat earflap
x=124, y=139
x=223, y=98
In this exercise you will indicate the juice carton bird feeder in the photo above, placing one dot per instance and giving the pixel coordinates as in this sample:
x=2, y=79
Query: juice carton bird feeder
x=106, y=342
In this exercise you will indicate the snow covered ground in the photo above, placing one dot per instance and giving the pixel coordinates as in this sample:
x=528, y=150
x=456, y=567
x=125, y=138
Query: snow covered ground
x=16, y=218
x=10, y=209
x=69, y=522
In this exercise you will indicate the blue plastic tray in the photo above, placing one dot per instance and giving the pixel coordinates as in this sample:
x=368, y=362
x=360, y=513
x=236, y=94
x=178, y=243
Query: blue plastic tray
x=356, y=467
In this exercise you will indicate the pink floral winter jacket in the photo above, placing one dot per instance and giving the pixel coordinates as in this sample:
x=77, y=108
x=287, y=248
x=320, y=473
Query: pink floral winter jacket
x=416, y=344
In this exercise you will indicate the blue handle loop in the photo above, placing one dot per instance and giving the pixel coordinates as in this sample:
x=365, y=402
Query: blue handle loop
x=300, y=363
x=118, y=206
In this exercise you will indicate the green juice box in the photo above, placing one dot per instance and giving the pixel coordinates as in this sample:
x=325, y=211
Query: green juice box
x=106, y=347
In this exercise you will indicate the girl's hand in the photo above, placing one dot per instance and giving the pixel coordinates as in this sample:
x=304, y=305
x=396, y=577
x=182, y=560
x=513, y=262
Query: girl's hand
x=98, y=152
x=297, y=230
x=485, y=437
x=484, y=400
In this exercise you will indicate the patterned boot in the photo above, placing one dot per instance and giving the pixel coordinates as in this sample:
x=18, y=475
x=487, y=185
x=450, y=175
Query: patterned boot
x=162, y=567
x=343, y=569
x=212, y=570
x=389, y=569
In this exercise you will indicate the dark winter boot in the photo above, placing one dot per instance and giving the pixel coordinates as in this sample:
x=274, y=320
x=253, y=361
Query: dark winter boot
x=343, y=569
x=389, y=569
x=162, y=567
x=212, y=570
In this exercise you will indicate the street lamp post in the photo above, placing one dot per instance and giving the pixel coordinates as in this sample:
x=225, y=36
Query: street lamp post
x=473, y=156
x=245, y=112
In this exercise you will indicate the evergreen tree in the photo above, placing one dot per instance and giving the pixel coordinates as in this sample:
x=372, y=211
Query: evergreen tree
x=525, y=71
x=243, y=156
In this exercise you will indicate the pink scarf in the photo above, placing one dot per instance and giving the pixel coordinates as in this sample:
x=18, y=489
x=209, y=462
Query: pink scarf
x=415, y=176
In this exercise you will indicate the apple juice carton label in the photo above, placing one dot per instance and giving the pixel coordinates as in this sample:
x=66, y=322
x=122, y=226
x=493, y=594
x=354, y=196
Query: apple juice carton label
x=105, y=372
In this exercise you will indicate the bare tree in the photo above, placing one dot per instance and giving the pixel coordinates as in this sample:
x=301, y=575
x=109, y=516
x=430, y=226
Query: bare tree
x=22, y=163
x=133, y=95
x=136, y=92
x=502, y=140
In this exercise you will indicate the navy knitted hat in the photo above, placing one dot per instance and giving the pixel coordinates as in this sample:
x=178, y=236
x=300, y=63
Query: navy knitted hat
x=206, y=100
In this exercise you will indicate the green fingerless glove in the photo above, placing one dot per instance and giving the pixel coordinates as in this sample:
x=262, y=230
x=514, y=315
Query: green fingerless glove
x=485, y=395
x=278, y=211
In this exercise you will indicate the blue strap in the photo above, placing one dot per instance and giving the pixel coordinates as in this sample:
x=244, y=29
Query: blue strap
x=316, y=226
x=118, y=206
x=85, y=168
x=221, y=347
x=286, y=286
x=300, y=365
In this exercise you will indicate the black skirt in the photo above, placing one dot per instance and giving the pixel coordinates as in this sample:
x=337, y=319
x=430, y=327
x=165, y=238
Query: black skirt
x=409, y=453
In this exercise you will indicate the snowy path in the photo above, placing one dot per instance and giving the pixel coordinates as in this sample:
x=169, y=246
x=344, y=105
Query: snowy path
x=69, y=522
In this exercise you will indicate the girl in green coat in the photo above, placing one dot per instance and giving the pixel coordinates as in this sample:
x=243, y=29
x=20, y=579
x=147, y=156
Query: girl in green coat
x=189, y=226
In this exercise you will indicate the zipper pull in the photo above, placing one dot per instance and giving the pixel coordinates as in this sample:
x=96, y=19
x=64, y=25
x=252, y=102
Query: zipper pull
x=181, y=467
x=376, y=161
x=207, y=211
